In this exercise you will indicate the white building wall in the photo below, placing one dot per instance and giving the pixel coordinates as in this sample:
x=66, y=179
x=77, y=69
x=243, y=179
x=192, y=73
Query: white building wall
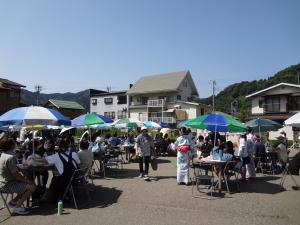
x=140, y=114
x=101, y=107
x=255, y=106
x=191, y=110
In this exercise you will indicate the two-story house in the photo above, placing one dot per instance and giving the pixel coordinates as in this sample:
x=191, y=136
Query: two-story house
x=277, y=102
x=168, y=98
x=110, y=104
x=10, y=95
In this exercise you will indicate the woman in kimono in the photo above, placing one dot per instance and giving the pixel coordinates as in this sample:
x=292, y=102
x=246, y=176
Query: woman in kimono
x=185, y=152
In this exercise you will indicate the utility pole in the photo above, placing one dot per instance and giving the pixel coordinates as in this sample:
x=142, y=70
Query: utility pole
x=213, y=97
x=38, y=89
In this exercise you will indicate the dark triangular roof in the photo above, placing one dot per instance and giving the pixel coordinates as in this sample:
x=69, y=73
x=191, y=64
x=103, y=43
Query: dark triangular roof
x=9, y=82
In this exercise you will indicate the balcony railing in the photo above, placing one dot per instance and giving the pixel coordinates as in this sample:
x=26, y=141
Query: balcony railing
x=163, y=119
x=156, y=103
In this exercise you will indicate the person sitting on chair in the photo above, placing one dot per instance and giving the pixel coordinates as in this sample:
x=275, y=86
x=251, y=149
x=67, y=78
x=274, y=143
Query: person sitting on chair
x=85, y=155
x=65, y=163
x=114, y=141
x=11, y=180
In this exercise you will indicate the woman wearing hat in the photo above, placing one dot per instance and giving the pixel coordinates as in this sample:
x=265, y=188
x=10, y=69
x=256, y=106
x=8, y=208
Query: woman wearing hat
x=282, y=151
x=144, y=147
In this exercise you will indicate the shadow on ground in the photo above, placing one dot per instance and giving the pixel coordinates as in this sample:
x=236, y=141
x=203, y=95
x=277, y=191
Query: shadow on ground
x=261, y=185
x=117, y=173
x=101, y=197
x=162, y=160
x=166, y=177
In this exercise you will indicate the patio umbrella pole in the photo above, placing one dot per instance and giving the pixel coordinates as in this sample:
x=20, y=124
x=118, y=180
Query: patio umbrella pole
x=90, y=134
x=33, y=150
x=215, y=137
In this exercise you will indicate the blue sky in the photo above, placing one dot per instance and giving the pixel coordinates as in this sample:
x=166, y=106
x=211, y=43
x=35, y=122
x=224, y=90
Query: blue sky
x=74, y=45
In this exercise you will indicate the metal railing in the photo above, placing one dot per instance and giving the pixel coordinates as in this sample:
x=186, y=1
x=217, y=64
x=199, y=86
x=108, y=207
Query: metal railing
x=156, y=103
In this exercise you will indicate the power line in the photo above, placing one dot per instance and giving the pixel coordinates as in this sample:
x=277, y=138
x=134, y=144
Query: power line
x=213, y=97
x=38, y=89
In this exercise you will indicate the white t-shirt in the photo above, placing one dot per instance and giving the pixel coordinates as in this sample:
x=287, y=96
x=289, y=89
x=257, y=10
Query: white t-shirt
x=56, y=161
x=242, y=148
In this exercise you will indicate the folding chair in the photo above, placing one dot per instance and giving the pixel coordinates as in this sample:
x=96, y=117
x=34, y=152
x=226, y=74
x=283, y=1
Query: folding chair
x=229, y=171
x=78, y=181
x=286, y=171
x=201, y=180
x=114, y=160
x=4, y=199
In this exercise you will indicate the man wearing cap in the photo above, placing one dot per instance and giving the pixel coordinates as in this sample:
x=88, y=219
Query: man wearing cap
x=144, y=147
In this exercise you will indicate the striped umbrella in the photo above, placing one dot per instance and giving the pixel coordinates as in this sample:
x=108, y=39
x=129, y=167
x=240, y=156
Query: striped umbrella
x=217, y=122
x=33, y=115
x=90, y=119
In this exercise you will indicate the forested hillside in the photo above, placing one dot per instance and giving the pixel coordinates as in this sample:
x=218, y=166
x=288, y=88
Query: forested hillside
x=82, y=97
x=238, y=91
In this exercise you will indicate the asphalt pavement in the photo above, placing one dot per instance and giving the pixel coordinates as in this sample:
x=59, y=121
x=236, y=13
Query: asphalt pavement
x=123, y=198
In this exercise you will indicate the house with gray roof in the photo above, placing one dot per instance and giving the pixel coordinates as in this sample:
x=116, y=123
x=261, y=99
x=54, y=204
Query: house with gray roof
x=277, y=102
x=169, y=98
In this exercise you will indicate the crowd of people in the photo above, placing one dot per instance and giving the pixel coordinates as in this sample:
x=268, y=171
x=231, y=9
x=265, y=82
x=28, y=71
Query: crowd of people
x=65, y=156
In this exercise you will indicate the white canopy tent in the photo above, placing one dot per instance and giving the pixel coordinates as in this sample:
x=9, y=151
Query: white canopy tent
x=293, y=121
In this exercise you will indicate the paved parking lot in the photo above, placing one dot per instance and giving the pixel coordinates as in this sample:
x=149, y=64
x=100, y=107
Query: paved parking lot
x=123, y=198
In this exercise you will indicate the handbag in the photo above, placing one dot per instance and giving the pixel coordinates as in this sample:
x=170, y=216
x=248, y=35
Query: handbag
x=154, y=164
x=183, y=148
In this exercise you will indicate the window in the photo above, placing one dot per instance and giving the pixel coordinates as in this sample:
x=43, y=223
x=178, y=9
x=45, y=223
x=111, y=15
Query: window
x=178, y=97
x=108, y=101
x=144, y=100
x=122, y=114
x=202, y=111
x=170, y=98
x=122, y=99
x=272, y=104
x=293, y=103
x=94, y=101
x=110, y=115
